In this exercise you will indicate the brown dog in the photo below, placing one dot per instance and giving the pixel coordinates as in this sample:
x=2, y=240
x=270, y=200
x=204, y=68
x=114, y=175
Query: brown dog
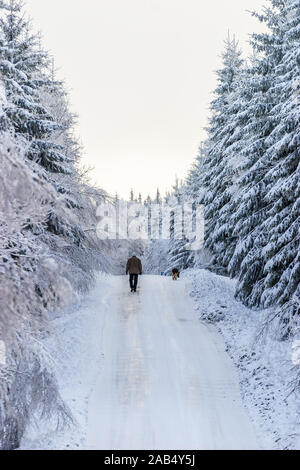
x=175, y=274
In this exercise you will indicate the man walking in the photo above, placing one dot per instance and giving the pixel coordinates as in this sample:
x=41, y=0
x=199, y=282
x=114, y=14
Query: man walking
x=134, y=269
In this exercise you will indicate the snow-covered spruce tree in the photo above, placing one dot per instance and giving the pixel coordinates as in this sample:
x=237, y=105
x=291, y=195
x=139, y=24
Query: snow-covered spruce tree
x=72, y=222
x=280, y=244
x=282, y=179
x=23, y=68
x=25, y=72
x=250, y=206
x=225, y=235
x=218, y=177
x=40, y=104
x=179, y=255
x=193, y=195
x=31, y=286
x=193, y=183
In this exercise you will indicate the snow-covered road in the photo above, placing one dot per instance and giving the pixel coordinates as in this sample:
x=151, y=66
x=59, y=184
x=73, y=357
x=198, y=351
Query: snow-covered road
x=165, y=381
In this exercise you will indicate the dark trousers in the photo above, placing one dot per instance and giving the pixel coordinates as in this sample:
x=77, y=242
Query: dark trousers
x=133, y=280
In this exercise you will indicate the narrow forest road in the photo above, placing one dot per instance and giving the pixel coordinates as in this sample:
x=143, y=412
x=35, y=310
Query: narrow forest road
x=166, y=381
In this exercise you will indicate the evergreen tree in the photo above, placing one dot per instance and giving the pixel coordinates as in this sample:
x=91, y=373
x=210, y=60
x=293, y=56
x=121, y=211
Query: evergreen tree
x=65, y=217
x=179, y=255
x=279, y=232
x=158, y=199
x=194, y=182
x=250, y=205
x=218, y=170
x=25, y=73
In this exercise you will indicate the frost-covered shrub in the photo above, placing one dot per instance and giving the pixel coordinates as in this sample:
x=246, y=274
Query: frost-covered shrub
x=30, y=288
x=202, y=258
x=155, y=260
x=32, y=394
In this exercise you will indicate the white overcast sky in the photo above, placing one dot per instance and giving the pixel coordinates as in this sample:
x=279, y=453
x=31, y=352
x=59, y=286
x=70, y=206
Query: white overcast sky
x=140, y=75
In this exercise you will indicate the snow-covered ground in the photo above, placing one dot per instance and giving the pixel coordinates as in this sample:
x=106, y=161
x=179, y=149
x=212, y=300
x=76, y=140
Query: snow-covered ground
x=140, y=371
x=264, y=364
x=76, y=351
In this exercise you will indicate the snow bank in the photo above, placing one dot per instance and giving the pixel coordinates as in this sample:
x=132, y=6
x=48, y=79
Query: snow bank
x=264, y=365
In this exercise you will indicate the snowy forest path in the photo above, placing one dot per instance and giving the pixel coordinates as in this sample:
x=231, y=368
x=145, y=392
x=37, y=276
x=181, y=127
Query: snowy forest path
x=166, y=381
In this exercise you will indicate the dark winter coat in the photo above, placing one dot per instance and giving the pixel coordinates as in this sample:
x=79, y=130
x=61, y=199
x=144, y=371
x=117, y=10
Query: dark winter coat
x=134, y=266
